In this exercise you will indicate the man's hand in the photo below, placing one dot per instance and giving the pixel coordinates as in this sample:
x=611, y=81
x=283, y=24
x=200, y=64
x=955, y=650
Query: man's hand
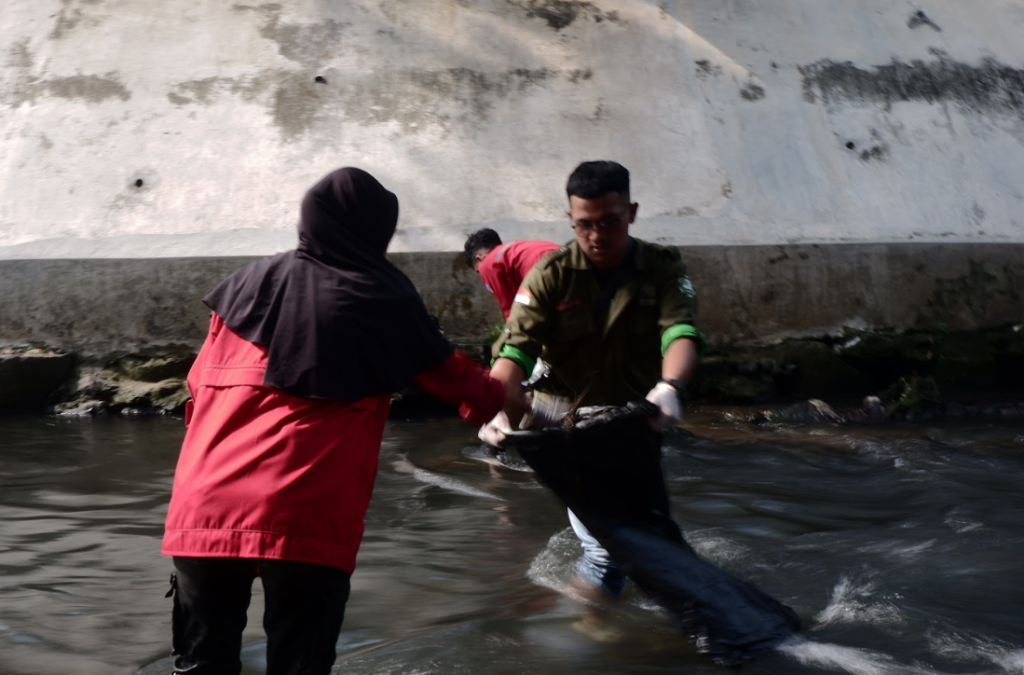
x=493, y=433
x=666, y=397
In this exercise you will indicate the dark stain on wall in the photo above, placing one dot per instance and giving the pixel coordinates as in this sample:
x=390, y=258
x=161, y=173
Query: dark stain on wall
x=472, y=91
x=919, y=18
x=415, y=99
x=27, y=88
x=195, y=91
x=89, y=88
x=69, y=16
x=576, y=76
x=752, y=92
x=21, y=57
x=561, y=13
x=706, y=69
x=989, y=87
x=875, y=152
x=305, y=44
x=296, y=105
x=976, y=290
x=204, y=91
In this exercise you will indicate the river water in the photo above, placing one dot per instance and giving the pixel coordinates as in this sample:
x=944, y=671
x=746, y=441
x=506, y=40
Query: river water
x=902, y=547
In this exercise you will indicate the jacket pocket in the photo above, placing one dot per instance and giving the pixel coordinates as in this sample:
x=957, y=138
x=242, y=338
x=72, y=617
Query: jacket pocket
x=572, y=325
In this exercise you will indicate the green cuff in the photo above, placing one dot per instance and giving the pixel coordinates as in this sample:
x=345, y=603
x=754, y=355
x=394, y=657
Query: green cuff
x=519, y=357
x=683, y=330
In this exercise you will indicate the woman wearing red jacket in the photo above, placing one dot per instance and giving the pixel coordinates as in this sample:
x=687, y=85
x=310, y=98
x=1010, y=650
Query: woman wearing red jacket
x=290, y=393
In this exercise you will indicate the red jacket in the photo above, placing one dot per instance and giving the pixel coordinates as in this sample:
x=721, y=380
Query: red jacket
x=504, y=268
x=264, y=474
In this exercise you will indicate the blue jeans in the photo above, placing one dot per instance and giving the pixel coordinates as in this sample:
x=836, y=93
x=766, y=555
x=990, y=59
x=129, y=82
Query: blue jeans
x=595, y=566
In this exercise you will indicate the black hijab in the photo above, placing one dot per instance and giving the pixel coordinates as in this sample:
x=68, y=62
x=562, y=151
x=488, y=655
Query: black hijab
x=338, y=320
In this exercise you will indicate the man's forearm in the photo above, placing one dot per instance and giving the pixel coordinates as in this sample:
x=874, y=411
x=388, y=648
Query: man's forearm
x=511, y=375
x=680, y=360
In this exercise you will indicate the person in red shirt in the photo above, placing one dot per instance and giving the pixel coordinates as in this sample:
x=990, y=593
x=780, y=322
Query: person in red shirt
x=290, y=393
x=503, y=267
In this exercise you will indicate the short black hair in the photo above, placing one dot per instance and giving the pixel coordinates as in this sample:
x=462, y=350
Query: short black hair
x=481, y=239
x=591, y=180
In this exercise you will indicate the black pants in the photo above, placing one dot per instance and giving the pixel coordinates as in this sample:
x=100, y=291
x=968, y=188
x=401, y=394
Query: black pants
x=305, y=605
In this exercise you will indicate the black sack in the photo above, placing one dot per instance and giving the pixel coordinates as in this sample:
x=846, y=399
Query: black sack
x=604, y=463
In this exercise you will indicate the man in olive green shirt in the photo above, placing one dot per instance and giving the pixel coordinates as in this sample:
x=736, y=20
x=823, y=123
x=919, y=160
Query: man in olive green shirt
x=614, y=317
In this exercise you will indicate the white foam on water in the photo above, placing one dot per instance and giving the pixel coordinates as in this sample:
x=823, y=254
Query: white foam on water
x=851, y=660
x=405, y=466
x=851, y=603
x=716, y=548
x=1012, y=661
x=451, y=484
x=904, y=552
x=555, y=566
x=953, y=645
x=962, y=526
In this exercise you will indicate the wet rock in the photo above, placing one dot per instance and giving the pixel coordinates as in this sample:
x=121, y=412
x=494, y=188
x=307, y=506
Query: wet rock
x=819, y=372
x=157, y=369
x=88, y=392
x=805, y=412
x=80, y=408
x=739, y=388
x=167, y=396
x=871, y=346
x=791, y=369
x=97, y=390
x=28, y=376
x=913, y=396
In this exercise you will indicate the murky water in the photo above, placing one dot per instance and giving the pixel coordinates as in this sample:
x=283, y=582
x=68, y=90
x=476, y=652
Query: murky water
x=901, y=547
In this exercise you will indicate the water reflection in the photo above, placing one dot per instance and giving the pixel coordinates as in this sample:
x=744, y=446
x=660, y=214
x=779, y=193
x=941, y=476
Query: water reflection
x=899, y=546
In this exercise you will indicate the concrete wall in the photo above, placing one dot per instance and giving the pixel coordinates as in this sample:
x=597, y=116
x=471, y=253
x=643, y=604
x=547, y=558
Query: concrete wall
x=825, y=162
x=130, y=128
x=747, y=293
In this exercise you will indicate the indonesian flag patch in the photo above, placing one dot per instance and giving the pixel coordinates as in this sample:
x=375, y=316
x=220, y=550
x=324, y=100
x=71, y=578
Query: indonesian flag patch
x=523, y=296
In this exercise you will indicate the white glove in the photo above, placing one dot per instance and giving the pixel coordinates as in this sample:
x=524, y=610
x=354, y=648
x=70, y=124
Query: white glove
x=666, y=397
x=493, y=433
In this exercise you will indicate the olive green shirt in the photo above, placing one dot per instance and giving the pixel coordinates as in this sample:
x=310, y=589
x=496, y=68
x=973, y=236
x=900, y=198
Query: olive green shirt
x=601, y=357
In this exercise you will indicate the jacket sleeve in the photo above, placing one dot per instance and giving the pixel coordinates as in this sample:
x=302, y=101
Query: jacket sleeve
x=678, y=303
x=195, y=373
x=528, y=327
x=460, y=381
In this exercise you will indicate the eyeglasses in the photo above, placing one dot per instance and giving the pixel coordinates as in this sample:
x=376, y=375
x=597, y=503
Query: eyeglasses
x=603, y=225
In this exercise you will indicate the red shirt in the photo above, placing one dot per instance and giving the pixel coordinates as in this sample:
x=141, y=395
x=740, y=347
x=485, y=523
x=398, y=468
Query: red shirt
x=504, y=268
x=264, y=474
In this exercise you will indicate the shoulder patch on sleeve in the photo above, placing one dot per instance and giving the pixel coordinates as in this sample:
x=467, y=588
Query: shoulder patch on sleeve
x=523, y=296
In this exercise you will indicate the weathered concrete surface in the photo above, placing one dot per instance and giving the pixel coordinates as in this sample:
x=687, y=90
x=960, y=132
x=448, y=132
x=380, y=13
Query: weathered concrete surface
x=192, y=127
x=759, y=292
x=747, y=294
x=101, y=306
x=826, y=164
